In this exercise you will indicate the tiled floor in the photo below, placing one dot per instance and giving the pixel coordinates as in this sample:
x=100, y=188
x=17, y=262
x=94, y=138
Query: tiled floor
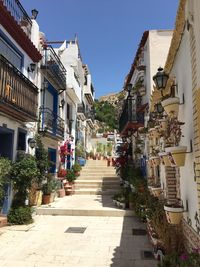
x=107, y=241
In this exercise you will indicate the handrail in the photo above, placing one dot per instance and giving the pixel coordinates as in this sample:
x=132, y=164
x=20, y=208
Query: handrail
x=19, y=14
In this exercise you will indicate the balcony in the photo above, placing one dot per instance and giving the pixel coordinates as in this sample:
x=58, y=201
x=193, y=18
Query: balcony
x=19, y=14
x=130, y=118
x=18, y=95
x=89, y=93
x=81, y=113
x=51, y=124
x=18, y=24
x=53, y=68
x=90, y=119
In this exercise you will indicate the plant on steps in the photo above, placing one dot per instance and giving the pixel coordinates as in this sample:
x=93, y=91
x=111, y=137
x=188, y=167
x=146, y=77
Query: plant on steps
x=5, y=167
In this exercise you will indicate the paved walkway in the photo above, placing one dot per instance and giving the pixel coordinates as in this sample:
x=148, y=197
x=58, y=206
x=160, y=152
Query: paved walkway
x=107, y=239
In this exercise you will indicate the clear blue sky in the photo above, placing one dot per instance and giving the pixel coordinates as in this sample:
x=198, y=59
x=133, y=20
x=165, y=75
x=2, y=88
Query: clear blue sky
x=109, y=31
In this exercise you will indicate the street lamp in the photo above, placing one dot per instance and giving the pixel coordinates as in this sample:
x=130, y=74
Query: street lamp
x=160, y=79
x=34, y=13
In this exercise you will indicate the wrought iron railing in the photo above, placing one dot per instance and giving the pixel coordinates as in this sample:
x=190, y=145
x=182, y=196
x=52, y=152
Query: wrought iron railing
x=90, y=116
x=50, y=122
x=128, y=113
x=16, y=90
x=19, y=14
x=52, y=62
x=81, y=108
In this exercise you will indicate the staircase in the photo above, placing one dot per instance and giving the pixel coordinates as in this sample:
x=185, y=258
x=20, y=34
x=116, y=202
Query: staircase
x=97, y=179
x=92, y=196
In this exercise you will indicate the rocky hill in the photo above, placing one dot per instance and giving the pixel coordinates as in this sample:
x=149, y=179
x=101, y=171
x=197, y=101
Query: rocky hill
x=114, y=98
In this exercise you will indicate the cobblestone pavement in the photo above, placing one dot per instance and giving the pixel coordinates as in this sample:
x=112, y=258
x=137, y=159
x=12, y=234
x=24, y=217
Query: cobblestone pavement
x=107, y=241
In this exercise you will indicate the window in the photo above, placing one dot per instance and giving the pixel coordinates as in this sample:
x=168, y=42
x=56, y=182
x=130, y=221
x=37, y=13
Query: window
x=68, y=111
x=10, y=53
x=21, y=143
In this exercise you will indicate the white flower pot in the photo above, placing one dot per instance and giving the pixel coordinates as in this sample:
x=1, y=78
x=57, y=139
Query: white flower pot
x=155, y=160
x=165, y=159
x=174, y=214
x=171, y=106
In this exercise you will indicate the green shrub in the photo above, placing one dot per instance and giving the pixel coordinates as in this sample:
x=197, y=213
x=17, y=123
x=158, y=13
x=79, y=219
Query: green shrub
x=76, y=167
x=23, y=172
x=5, y=167
x=20, y=215
x=71, y=176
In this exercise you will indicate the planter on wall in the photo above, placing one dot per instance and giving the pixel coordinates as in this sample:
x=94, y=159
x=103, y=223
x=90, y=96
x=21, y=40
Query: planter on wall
x=155, y=160
x=156, y=191
x=163, y=125
x=153, y=132
x=176, y=155
x=165, y=159
x=174, y=214
x=171, y=106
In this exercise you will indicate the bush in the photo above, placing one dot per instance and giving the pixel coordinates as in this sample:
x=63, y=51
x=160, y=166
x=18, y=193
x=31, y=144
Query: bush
x=20, y=215
x=23, y=172
x=76, y=167
x=50, y=186
x=5, y=167
x=71, y=176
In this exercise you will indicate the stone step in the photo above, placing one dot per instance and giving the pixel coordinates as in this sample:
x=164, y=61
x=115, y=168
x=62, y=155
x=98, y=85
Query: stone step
x=99, y=178
x=81, y=212
x=3, y=220
x=98, y=171
x=88, y=174
x=92, y=191
x=103, y=187
x=97, y=182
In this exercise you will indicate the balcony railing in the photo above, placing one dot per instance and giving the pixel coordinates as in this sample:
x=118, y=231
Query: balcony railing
x=19, y=14
x=18, y=95
x=81, y=108
x=54, y=68
x=51, y=123
x=129, y=114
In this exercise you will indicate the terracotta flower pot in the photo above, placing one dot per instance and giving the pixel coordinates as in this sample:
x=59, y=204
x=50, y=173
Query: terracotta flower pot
x=46, y=199
x=61, y=192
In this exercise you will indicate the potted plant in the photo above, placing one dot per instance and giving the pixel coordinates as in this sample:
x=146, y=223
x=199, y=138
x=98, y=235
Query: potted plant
x=71, y=177
x=77, y=168
x=164, y=158
x=43, y=164
x=156, y=190
x=62, y=173
x=176, y=153
x=47, y=189
x=171, y=106
x=23, y=172
x=60, y=190
x=174, y=212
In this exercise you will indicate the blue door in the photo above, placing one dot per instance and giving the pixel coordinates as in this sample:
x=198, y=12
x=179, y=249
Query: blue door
x=52, y=159
x=6, y=151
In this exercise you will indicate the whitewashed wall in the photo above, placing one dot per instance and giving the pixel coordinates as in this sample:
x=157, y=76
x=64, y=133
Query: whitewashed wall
x=182, y=71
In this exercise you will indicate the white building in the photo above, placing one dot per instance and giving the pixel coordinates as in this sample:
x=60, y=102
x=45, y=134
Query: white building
x=19, y=55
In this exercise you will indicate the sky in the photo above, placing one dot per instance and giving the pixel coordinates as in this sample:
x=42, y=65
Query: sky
x=108, y=31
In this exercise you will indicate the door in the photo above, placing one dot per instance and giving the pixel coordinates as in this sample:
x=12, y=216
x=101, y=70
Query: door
x=52, y=159
x=6, y=150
